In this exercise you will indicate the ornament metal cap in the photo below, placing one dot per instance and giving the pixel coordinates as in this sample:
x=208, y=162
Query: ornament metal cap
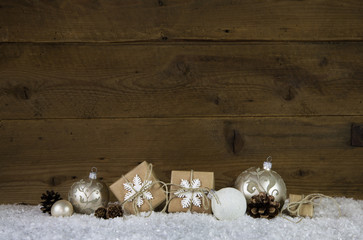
x=267, y=165
x=93, y=173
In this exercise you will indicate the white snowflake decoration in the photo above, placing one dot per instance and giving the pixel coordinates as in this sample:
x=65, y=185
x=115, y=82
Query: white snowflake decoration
x=189, y=196
x=135, y=188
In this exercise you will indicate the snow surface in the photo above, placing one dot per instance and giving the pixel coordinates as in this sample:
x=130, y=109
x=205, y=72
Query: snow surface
x=28, y=222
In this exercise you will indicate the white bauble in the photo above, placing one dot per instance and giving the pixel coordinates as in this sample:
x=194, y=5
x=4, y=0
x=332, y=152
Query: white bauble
x=232, y=204
x=62, y=208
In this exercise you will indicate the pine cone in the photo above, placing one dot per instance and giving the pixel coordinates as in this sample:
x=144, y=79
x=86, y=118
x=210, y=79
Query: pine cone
x=101, y=212
x=263, y=206
x=49, y=198
x=114, y=211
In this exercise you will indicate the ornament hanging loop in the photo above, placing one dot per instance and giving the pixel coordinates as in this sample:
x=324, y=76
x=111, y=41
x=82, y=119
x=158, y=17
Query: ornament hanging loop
x=212, y=194
x=93, y=173
x=267, y=165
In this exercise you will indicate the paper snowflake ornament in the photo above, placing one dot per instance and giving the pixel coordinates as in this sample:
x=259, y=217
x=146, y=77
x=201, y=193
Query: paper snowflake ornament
x=189, y=195
x=134, y=189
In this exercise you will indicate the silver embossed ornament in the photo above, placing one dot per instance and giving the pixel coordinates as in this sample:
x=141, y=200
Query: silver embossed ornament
x=255, y=180
x=88, y=195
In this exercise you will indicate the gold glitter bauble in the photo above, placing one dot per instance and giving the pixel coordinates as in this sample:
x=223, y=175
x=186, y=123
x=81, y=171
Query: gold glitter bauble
x=88, y=195
x=255, y=180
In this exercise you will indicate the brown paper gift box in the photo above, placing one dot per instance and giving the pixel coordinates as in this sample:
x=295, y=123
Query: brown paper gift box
x=156, y=190
x=306, y=210
x=207, y=181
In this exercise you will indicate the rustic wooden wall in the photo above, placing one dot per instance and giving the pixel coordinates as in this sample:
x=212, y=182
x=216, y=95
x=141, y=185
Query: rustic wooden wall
x=209, y=85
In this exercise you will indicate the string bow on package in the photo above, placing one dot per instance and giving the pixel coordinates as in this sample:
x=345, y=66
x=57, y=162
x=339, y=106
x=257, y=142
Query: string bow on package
x=304, y=207
x=139, y=190
x=189, y=191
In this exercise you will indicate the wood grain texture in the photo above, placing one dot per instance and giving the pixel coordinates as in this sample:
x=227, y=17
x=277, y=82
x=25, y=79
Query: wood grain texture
x=176, y=80
x=206, y=85
x=312, y=154
x=175, y=20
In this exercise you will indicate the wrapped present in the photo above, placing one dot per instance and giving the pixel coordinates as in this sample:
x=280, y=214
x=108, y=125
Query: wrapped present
x=303, y=210
x=139, y=190
x=189, y=191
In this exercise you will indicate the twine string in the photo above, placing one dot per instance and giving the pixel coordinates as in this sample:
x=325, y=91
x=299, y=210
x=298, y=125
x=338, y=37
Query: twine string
x=165, y=187
x=191, y=190
x=202, y=190
x=294, y=207
x=143, y=189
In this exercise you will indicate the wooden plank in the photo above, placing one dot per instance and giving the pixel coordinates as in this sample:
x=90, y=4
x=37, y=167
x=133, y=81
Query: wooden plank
x=312, y=154
x=174, y=20
x=125, y=80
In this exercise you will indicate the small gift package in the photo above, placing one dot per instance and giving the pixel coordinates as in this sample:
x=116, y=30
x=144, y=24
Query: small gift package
x=305, y=210
x=139, y=190
x=189, y=190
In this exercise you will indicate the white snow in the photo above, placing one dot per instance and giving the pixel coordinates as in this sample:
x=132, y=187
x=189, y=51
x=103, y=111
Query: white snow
x=28, y=222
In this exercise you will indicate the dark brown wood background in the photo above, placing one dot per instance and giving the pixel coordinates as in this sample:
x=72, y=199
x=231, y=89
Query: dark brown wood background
x=206, y=85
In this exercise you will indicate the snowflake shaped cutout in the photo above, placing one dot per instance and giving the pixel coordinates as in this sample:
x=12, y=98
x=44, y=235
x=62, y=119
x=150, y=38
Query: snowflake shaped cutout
x=190, y=197
x=135, y=187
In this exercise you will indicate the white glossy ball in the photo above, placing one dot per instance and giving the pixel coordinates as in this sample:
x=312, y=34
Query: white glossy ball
x=232, y=204
x=62, y=208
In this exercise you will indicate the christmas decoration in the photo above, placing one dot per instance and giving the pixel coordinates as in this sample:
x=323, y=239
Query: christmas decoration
x=143, y=194
x=49, y=198
x=101, y=212
x=303, y=206
x=23, y=222
x=256, y=180
x=263, y=206
x=305, y=210
x=188, y=191
x=135, y=188
x=88, y=195
x=114, y=211
x=62, y=208
x=228, y=204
